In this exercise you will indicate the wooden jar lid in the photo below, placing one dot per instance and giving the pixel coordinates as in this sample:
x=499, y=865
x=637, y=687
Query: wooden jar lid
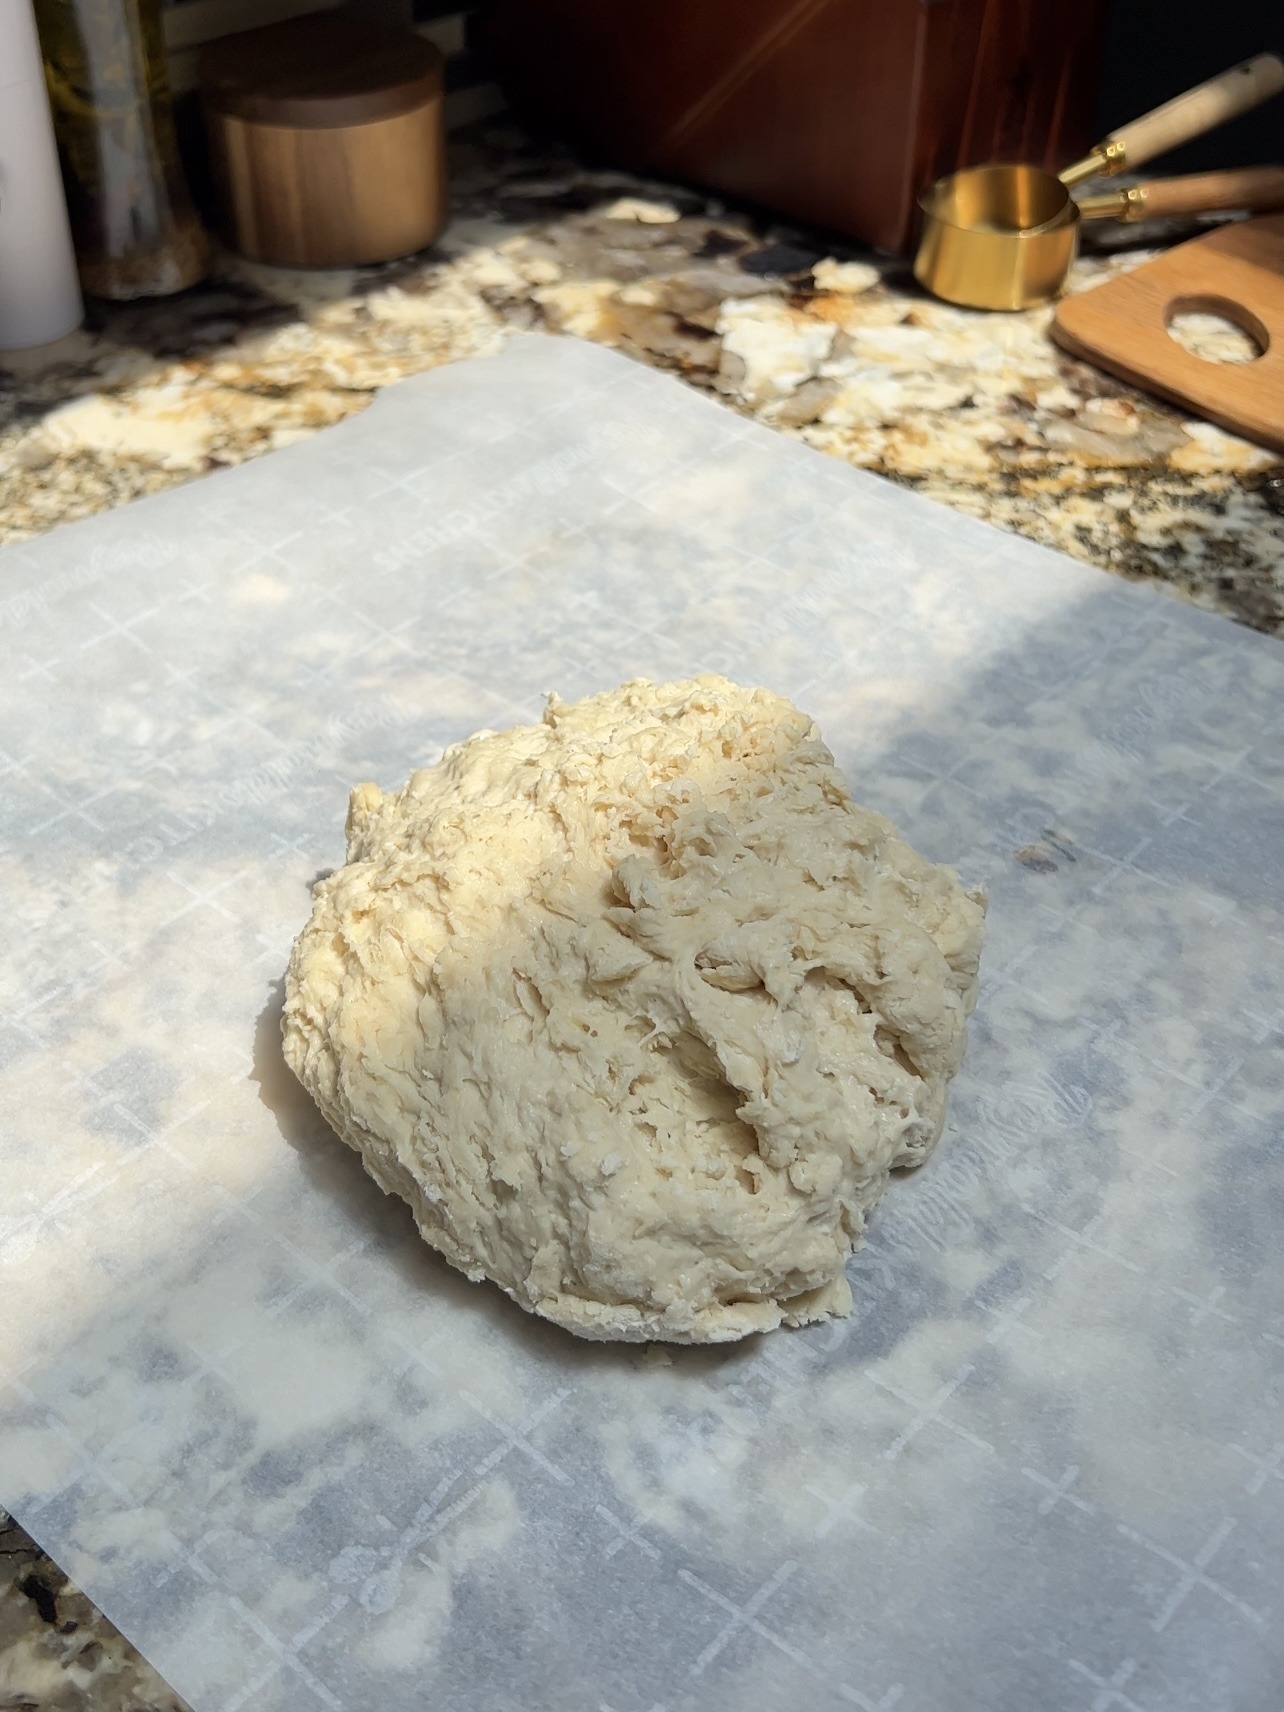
x=319, y=71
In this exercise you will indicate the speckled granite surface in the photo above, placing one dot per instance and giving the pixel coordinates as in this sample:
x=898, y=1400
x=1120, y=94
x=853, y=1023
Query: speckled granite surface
x=980, y=412
x=57, y=1652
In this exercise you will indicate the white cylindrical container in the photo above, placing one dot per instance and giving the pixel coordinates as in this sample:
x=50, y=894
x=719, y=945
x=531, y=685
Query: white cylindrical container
x=39, y=290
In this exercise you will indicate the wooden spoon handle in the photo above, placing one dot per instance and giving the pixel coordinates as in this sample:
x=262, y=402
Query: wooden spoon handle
x=1252, y=188
x=1201, y=109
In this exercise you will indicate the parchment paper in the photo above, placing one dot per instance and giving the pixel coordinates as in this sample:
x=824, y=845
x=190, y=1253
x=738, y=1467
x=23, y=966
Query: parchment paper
x=302, y=1463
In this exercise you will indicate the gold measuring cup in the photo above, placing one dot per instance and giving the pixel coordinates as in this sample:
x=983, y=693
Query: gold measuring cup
x=1004, y=236
x=1031, y=264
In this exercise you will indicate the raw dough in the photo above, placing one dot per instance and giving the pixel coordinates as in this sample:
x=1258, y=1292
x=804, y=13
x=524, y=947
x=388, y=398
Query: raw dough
x=637, y=1008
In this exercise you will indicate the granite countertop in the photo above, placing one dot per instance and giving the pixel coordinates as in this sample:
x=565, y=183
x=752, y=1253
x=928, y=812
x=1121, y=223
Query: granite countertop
x=840, y=349
x=58, y=1653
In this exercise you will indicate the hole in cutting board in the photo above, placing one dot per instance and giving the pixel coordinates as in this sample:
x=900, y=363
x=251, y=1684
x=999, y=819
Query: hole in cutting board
x=1216, y=329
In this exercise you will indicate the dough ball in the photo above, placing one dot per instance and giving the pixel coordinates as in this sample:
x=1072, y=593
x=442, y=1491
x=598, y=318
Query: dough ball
x=637, y=1009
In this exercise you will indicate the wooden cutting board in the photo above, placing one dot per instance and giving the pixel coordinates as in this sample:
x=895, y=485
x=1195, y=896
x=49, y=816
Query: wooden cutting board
x=1236, y=271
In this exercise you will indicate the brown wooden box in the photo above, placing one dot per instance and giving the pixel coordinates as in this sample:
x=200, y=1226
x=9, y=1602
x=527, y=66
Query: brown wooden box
x=833, y=111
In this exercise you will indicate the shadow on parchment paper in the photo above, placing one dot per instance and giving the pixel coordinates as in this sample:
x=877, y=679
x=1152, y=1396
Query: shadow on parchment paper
x=336, y=1170
x=1089, y=740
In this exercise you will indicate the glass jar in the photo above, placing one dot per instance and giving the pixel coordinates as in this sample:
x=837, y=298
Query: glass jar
x=136, y=231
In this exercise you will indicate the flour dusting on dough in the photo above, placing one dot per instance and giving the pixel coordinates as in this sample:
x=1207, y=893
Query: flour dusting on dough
x=637, y=1009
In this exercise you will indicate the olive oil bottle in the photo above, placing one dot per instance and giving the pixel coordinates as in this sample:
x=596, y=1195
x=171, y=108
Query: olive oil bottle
x=136, y=231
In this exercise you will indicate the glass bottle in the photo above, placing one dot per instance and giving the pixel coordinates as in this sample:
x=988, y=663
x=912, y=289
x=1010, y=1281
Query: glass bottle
x=136, y=231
